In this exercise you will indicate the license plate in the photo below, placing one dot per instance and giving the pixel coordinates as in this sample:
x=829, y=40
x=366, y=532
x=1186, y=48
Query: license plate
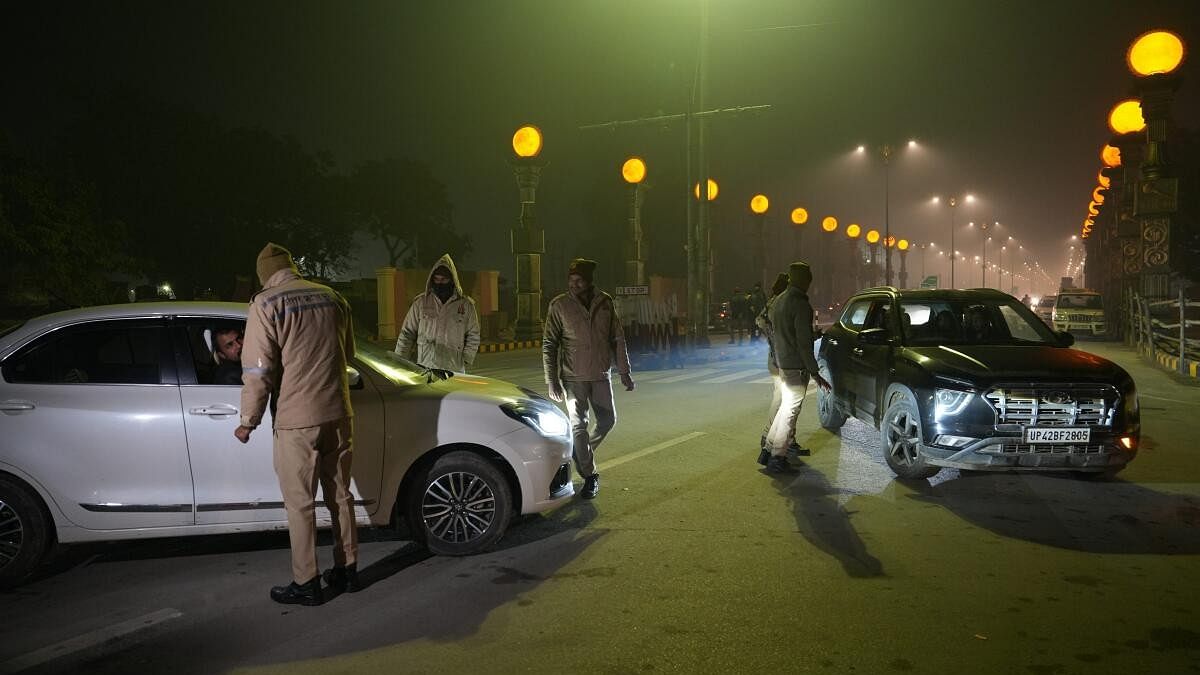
x=1057, y=435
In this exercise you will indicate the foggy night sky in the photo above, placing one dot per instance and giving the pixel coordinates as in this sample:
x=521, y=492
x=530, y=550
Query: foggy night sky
x=1008, y=100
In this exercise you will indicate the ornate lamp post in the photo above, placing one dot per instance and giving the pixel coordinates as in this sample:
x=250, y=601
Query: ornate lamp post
x=799, y=218
x=902, y=246
x=873, y=256
x=889, y=243
x=528, y=238
x=758, y=206
x=853, y=232
x=829, y=224
x=634, y=172
x=704, y=263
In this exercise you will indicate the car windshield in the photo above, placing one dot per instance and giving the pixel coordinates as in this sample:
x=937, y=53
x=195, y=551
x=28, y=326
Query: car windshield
x=972, y=322
x=1080, y=301
x=1046, y=302
x=388, y=363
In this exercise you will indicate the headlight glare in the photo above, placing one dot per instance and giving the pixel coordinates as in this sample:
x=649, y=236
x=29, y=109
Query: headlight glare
x=543, y=418
x=949, y=402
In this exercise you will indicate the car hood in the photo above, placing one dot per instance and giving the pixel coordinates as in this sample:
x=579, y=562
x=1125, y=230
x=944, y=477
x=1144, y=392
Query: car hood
x=1023, y=362
x=484, y=388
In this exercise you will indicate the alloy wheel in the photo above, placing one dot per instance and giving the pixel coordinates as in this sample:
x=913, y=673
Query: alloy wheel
x=903, y=437
x=12, y=534
x=458, y=507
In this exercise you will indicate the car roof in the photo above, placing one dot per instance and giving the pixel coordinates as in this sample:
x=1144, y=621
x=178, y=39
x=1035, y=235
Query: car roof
x=938, y=293
x=132, y=310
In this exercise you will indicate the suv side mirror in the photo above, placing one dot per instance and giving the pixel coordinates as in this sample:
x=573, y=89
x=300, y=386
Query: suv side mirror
x=1064, y=338
x=875, y=336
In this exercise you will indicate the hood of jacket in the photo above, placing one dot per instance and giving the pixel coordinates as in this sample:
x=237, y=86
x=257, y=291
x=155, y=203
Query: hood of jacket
x=447, y=262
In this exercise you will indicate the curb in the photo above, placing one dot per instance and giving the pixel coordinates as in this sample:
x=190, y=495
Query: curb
x=488, y=348
x=1171, y=363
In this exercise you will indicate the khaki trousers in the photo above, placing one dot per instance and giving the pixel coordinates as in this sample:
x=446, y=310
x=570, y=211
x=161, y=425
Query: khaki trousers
x=302, y=458
x=793, y=387
x=599, y=395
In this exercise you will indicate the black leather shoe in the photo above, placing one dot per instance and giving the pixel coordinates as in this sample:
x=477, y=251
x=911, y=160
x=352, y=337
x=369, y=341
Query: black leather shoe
x=779, y=465
x=308, y=594
x=764, y=456
x=796, y=450
x=343, y=579
x=591, y=485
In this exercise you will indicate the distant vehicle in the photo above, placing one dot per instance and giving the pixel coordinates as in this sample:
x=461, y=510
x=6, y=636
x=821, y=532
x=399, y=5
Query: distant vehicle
x=112, y=428
x=1045, y=308
x=1079, y=311
x=971, y=379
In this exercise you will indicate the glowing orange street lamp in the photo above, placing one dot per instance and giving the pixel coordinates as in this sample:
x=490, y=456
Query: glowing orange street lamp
x=829, y=224
x=873, y=255
x=1157, y=52
x=713, y=189
x=1126, y=117
x=873, y=237
x=1098, y=195
x=759, y=204
x=1111, y=156
x=853, y=230
x=634, y=170
x=527, y=141
x=1105, y=181
x=799, y=216
x=903, y=245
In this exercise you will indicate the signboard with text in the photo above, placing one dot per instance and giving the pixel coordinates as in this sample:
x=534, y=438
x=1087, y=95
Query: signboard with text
x=930, y=281
x=633, y=290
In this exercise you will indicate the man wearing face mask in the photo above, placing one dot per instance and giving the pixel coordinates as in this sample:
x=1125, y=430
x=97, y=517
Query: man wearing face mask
x=792, y=337
x=441, y=326
x=582, y=335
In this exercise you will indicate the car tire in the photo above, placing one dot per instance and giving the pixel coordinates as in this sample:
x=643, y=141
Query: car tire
x=461, y=505
x=24, y=532
x=900, y=439
x=828, y=414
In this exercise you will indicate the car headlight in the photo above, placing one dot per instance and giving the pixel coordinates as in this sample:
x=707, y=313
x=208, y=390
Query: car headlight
x=949, y=402
x=545, y=419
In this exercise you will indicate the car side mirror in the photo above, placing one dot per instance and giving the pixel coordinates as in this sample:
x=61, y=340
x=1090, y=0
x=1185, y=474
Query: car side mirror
x=355, y=377
x=1064, y=338
x=875, y=336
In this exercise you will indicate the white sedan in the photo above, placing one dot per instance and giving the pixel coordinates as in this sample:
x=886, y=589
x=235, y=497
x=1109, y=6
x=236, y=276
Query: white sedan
x=110, y=428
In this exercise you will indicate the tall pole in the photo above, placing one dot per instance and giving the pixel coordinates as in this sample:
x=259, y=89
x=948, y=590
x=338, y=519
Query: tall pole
x=953, y=203
x=528, y=245
x=703, y=237
x=887, y=225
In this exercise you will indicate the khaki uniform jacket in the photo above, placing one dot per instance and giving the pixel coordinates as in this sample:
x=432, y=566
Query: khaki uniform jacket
x=579, y=343
x=299, y=338
x=445, y=336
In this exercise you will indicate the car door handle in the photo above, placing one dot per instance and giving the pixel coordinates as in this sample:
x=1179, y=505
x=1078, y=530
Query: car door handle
x=15, y=406
x=215, y=410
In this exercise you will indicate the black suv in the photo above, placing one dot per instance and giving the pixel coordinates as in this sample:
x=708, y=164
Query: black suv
x=973, y=379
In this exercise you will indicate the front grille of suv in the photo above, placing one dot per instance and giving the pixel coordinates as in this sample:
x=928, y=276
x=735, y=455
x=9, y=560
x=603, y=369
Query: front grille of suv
x=1054, y=405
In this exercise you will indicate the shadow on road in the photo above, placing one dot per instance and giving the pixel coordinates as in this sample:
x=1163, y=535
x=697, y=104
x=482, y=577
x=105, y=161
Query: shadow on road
x=1067, y=512
x=825, y=523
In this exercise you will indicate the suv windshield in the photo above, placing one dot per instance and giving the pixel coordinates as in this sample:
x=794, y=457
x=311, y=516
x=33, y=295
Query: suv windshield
x=388, y=363
x=972, y=322
x=1080, y=301
x=1046, y=302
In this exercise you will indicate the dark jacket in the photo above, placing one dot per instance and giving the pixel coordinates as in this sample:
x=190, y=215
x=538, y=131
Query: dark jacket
x=581, y=343
x=792, y=331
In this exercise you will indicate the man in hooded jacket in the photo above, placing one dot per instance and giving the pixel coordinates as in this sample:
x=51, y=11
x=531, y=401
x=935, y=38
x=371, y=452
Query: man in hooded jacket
x=791, y=317
x=442, y=325
x=299, y=338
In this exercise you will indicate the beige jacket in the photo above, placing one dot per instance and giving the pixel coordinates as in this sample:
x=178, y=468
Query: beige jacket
x=445, y=336
x=579, y=343
x=299, y=338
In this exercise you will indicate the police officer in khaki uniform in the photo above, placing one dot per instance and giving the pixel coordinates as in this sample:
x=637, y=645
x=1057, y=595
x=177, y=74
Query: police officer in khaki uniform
x=298, y=341
x=581, y=337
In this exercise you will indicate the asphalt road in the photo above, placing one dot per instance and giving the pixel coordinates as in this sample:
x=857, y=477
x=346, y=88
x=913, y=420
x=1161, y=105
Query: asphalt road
x=693, y=560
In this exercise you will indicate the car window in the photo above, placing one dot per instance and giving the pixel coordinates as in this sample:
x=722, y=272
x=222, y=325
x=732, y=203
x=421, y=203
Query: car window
x=1017, y=326
x=215, y=349
x=855, y=316
x=1079, y=301
x=879, y=316
x=971, y=322
x=1046, y=302
x=102, y=353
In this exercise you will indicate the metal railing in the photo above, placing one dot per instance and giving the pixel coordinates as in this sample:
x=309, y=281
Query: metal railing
x=1163, y=326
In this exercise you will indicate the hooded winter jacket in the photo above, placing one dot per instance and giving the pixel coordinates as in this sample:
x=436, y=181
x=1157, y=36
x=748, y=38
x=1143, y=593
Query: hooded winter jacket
x=579, y=343
x=299, y=337
x=791, y=318
x=444, y=335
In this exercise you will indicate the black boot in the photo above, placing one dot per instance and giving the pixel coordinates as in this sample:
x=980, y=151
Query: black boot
x=343, y=579
x=591, y=485
x=796, y=450
x=308, y=594
x=764, y=456
x=779, y=465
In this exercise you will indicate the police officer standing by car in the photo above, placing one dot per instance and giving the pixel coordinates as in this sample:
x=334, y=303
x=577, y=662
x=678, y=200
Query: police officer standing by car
x=582, y=334
x=299, y=338
x=441, y=326
x=791, y=317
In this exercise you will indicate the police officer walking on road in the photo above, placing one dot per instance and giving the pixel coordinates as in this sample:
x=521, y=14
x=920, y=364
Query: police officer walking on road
x=441, y=326
x=298, y=341
x=582, y=335
x=792, y=338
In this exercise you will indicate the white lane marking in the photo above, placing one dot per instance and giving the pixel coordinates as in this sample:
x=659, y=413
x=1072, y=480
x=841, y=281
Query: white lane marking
x=732, y=376
x=687, y=376
x=765, y=380
x=1163, y=398
x=618, y=461
x=87, y=640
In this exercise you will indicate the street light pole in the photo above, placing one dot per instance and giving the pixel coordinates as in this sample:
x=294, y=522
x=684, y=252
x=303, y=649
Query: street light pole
x=886, y=150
